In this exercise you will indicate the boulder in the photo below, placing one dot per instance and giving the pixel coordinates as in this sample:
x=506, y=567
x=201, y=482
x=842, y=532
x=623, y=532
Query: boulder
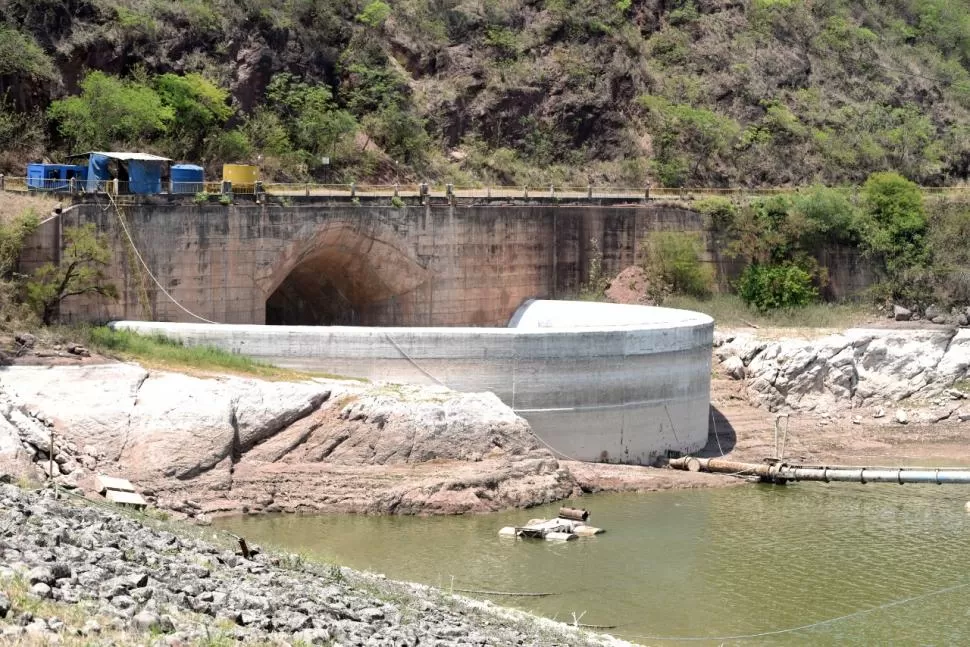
x=25, y=339
x=902, y=314
x=734, y=367
x=934, y=311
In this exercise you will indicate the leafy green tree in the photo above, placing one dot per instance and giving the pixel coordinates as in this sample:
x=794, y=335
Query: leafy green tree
x=81, y=271
x=400, y=133
x=895, y=227
x=314, y=122
x=687, y=139
x=266, y=132
x=22, y=58
x=111, y=110
x=200, y=108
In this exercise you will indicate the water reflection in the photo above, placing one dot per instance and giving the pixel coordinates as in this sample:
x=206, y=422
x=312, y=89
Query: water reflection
x=713, y=563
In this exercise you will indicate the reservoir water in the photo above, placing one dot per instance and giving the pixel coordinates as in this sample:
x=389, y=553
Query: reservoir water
x=806, y=564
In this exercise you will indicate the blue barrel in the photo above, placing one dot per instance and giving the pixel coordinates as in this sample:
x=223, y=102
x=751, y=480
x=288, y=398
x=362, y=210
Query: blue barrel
x=187, y=178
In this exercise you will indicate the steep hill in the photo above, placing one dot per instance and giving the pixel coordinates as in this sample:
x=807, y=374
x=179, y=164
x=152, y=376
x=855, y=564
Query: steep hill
x=696, y=92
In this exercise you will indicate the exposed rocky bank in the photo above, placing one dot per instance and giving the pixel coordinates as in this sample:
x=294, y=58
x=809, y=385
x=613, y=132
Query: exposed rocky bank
x=229, y=444
x=890, y=375
x=71, y=573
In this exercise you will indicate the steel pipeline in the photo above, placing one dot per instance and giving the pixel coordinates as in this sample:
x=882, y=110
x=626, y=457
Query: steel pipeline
x=780, y=472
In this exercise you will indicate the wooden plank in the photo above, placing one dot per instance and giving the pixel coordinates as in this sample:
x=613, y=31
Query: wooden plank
x=126, y=498
x=102, y=483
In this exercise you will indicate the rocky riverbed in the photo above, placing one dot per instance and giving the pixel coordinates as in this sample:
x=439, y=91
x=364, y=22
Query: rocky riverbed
x=229, y=444
x=75, y=573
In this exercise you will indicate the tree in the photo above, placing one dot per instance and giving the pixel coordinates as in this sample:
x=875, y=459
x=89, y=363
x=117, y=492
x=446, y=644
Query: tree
x=895, y=227
x=314, y=122
x=200, y=109
x=375, y=13
x=111, y=110
x=80, y=272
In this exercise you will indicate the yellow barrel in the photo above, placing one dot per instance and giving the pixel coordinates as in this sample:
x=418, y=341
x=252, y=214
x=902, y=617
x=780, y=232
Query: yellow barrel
x=242, y=176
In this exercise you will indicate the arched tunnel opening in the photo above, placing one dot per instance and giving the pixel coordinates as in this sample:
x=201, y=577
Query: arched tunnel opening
x=308, y=298
x=344, y=280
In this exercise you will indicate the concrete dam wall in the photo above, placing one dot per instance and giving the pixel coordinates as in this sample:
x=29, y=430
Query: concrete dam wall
x=345, y=264
x=596, y=381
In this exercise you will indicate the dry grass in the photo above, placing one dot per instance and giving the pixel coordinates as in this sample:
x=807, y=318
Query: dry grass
x=729, y=311
x=13, y=205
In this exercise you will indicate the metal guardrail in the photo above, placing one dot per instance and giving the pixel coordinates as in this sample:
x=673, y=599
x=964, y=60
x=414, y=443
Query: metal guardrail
x=350, y=191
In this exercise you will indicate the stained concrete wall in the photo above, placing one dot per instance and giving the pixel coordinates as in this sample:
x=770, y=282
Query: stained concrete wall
x=596, y=381
x=436, y=265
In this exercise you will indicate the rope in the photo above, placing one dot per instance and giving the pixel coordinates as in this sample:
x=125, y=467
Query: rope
x=148, y=269
x=778, y=632
x=667, y=411
x=716, y=437
x=413, y=363
x=440, y=383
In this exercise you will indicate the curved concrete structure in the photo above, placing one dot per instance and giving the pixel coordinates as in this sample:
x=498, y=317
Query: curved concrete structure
x=597, y=381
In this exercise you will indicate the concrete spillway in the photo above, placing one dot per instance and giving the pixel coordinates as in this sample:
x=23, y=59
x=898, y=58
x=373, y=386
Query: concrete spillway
x=596, y=381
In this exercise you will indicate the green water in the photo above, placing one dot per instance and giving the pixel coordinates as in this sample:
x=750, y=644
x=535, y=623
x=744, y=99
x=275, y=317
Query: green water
x=693, y=564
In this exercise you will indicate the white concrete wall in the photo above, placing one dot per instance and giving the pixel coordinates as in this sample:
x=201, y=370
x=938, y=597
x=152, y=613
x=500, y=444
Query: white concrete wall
x=596, y=381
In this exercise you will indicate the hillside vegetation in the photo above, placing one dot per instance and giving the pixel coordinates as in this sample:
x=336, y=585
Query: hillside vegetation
x=672, y=92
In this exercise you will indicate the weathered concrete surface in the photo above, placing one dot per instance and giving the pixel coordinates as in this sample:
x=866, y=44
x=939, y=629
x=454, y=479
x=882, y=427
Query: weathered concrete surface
x=235, y=445
x=596, y=381
x=434, y=265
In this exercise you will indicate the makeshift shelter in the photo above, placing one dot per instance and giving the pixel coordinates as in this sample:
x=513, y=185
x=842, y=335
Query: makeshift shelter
x=139, y=173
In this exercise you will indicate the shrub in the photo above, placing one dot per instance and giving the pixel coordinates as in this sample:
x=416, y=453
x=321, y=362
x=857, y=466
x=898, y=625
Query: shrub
x=770, y=287
x=21, y=57
x=722, y=211
x=596, y=281
x=12, y=237
x=375, y=13
x=674, y=264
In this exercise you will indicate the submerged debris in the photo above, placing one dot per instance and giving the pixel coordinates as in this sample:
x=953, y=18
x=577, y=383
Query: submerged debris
x=569, y=525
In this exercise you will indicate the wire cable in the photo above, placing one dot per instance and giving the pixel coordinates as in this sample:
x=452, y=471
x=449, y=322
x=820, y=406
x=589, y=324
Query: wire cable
x=821, y=623
x=134, y=248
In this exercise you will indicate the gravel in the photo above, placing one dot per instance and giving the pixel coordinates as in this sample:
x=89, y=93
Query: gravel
x=161, y=584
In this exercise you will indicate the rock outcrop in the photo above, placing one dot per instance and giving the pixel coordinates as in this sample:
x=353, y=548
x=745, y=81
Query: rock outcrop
x=230, y=444
x=859, y=368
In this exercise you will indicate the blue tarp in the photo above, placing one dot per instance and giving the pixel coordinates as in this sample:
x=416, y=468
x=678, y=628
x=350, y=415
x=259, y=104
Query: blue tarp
x=144, y=177
x=97, y=171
